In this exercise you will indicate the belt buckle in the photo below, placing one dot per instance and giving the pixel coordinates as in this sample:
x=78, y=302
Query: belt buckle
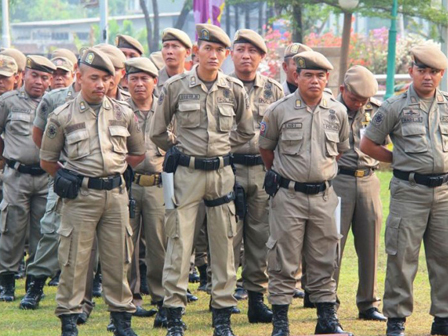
x=435, y=181
x=360, y=173
x=312, y=189
x=209, y=164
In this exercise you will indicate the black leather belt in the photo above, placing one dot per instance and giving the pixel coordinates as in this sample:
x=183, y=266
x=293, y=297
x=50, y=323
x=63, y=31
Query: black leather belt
x=34, y=170
x=356, y=173
x=247, y=160
x=431, y=181
x=106, y=183
x=204, y=164
x=306, y=188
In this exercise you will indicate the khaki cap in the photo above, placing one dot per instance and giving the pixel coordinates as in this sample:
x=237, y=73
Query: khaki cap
x=40, y=63
x=8, y=66
x=126, y=41
x=97, y=59
x=70, y=55
x=312, y=60
x=212, y=33
x=141, y=64
x=173, y=34
x=360, y=81
x=116, y=55
x=19, y=57
x=63, y=63
x=295, y=48
x=250, y=36
x=429, y=56
x=157, y=59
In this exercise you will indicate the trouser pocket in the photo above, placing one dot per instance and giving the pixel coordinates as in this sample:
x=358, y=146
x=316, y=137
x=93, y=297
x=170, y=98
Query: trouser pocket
x=392, y=234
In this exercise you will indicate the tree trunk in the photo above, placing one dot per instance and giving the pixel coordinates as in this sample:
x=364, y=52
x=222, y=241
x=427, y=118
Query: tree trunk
x=186, y=8
x=237, y=17
x=297, y=32
x=147, y=22
x=227, y=9
x=156, y=33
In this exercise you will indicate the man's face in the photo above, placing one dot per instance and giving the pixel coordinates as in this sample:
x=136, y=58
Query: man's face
x=130, y=53
x=311, y=83
x=211, y=55
x=174, y=53
x=289, y=67
x=246, y=58
x=425, y=80
x=115, y=80
x=36, y=82
x=351, y=100
x=141, y=85
x=61, y=79
x=7, y=83
x=94, y=83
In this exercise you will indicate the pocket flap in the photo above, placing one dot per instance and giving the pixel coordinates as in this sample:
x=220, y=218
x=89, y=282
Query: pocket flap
x=291, y=135
x=332, y=136
x=189, y=107
x=226, y=110
x=393, y=222
x=3, y=205
x=271, y=243
x=65, y=232
x=21, y=116
x=119, y=131
x=413, y=129
x=77, y=136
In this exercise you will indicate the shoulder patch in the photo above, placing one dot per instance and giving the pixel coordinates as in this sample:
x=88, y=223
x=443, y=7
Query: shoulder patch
x=52, y=130
x=378, y=118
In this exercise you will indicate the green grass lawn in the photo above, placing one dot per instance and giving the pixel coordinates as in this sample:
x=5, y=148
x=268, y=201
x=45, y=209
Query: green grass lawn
x=42, y=322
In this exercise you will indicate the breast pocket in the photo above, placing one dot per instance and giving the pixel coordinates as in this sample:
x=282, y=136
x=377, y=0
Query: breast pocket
x=225, y=119
x=118, y=138
x=189, y=115
x=291, y=142
x=78, y=145
x=20, y=123
x=444, y=134
x=414, y=135
x=331, y=143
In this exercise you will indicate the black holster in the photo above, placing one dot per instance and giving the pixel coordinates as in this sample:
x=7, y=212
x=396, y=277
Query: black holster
x=271, y=182
x=240, y=201
x=171, y=160
x=67, y=184
x=128, y=176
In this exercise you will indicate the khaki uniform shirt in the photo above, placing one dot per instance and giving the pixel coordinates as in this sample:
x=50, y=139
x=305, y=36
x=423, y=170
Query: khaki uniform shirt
x=353, y=158
x=94, y=145
x=305, y=142
x=264, y=92
x=161, y=80
x=153, y=162
x=17, y=112
x=204, y=119
x=420, y=136
x=122, y=95
x=50, y=102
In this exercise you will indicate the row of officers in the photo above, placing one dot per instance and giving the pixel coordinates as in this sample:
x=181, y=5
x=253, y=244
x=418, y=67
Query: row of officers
x=253, y=162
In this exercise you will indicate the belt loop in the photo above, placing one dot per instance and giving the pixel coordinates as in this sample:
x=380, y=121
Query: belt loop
x=412, y=179
x=17, y=165
x=291, y=186
x=85, y=182
x=221, y=162
x=191, y=163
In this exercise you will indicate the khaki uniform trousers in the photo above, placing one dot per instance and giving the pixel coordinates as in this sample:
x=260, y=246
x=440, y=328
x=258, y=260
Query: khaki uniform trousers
x=301, y=223
x=22, y=209
x=361, y=210
x=105, y=214
x=416, y=213
x=150, y=217
x=253, y=230
x=191, y=187
x=45, y=262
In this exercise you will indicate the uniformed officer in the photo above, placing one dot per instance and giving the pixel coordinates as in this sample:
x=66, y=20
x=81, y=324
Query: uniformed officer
x=64, y=74
x=205, y=104
x=8, y=73
x=131, y=48
x=300, y=138
x=249, y=49
x=20, y=59
x=45, y=263
x=98, y=136
x=68, y=54
x=417, y=122
x=289, y=66
x=176, y=47
x=25, y=183
x=359, y=189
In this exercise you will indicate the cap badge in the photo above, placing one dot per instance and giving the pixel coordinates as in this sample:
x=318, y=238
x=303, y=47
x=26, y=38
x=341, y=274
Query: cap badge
x=28, y=62
x=294, y=49
x=89, y=58
x=301, y=63
x=205, y=35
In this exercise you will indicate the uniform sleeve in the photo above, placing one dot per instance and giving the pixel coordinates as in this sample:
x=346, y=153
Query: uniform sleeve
x=158, y=130
x=269, y=133
x=44, y=108
x=382, y=124
x=244, y=130
x=53, y=140
x=135, y=141
x=344, y=133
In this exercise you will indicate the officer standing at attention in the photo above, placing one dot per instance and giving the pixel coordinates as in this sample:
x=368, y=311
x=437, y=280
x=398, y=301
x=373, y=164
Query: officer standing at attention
x=359, y=189
x=417, y=122
x=25, y=183
x=248, y=51
x=98, y=136
x=205, y=104
x=20, y=59
x=300, y=138
x=289, y=66
x=8, y=73
x=131, y=48
x=64, y=74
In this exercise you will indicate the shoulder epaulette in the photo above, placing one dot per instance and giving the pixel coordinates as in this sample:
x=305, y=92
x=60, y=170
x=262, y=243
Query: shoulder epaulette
x=235, y=80
x=175, y=79
x=61, y=108
x=9, y=94
x=375, y=102
x=277, y=84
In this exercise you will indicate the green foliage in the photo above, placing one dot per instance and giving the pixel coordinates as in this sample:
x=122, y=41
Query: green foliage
x=41, y=10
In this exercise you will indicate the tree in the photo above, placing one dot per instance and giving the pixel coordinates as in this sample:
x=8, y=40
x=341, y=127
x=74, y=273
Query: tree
x=186, y=8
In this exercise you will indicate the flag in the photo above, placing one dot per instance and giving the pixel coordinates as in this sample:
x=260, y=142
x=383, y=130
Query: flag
x=208, y=11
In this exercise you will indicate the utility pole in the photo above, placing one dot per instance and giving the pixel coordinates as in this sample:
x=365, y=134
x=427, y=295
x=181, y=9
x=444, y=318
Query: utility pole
x=6, y=39
x=104, y=10
x=391, y=51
